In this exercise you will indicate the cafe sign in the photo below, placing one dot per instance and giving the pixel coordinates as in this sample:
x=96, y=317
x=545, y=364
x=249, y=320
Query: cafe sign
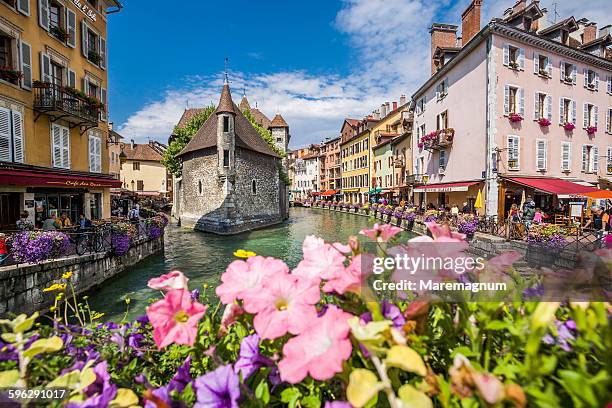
x=85, y=9
x=78, y=183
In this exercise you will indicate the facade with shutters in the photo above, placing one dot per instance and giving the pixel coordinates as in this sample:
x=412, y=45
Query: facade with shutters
x=53, y=109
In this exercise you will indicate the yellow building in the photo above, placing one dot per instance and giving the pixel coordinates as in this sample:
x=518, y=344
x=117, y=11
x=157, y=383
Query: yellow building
x=355, y=168
x=142, y=171
x=53, y=103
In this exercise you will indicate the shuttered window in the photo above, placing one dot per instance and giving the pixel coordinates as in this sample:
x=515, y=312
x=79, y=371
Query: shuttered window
x=609, y=161
x=60, y=146
x=566, y=156
x=543, y=106
x=43, y=14
x=71, y=27
x=609, y=120
x=541, y=154
x=23, y=6
x=11, y=136
x=514, y=100
x=95, y=153
x=25, y=56
x=513, y=153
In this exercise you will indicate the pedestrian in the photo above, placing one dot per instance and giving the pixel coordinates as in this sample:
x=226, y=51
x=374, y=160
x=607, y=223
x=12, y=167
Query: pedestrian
x=455, y=210
x=3, y=250
x=528, y=212
x=23, y=223
x=84, y=223
x=513, y=223
x=599, y=220
x=64, y=221
x=50, y=223
x=465, y=208
x=537, y=218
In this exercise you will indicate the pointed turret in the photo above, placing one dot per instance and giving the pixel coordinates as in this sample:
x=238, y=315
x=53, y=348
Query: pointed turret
x=278, y=122
x=226, y=105
x=244, y=104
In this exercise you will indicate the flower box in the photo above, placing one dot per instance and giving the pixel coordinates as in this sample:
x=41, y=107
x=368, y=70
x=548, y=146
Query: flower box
x=544, y=122
x=569, y=126
x=568, y=80
x=591, y=130
x=9, y=74
x=515, y=117
x=59, y=33
x=543, y=73
x=513, y=65
x=94, y=57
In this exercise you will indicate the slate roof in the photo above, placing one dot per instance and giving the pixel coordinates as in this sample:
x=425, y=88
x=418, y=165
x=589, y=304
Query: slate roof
x=226, y=105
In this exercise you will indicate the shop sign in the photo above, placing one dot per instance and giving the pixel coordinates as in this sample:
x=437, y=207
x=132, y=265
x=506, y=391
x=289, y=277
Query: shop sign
x=85, y=9
x=443, y=189
x=78, y=183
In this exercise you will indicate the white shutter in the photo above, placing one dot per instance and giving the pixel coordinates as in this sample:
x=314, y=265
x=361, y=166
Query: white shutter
x=522, y=102
x=71, y=27
x=65, y=147
x=574, y=114
x=506, y=100
x=536, y=104
x=56, y=145
x=102, y=53
x=610, y=84
x=84, y=39
x=562, y=111
x=43, y=14
x=71, y=78
x=574, y=74
x=5, y=135
x=438, y=92
x=596, y=116
x=595, y=153
x=45, y=68
x=103, y=97
x=566, y=155
x=522, y=59
x=18, y=137
x=549, y=107
x=585, y=115
x=506, y=54
x=25, y=56
x=92, y=153
x=585, y=158
x=549, y=66
x=541, y=154
x=98, y=151
x=536, y=63
x=23, y=6
x=609, y=160
x=562, y=69
x=586, y=77
x=597, y=81
x=442, y=159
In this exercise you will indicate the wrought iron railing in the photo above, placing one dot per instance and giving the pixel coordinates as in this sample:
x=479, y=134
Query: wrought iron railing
x=52, y=98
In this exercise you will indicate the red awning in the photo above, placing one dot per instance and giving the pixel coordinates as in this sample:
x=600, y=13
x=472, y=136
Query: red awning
x=314, y=193
x=445, y=187
x=23, y=177
x=328, y=193
x=553, y=186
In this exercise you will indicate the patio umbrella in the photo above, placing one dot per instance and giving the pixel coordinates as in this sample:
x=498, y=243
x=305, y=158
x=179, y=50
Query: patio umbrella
x=600, y=194
x=478, y=203
x=523, y=200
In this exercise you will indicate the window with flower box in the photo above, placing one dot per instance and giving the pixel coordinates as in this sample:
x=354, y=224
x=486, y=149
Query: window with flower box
x=590, y=159
x=590, y=116
x=542, y=65
x=513, y=152
x=566, y=156
x=567, y=111
x=514, y=57
x=591, y=79
x=543, y=106
x=514, y=100
x=9, y=70
x=93, y=46
x=569, y=72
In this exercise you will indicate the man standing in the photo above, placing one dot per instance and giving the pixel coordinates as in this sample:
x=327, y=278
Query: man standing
x=528, y=212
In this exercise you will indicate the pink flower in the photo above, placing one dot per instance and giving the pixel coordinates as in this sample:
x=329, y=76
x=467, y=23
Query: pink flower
x=283, y=304
x=347, y=279
x=443, y=233
x=169, y=281
x=175, y=318
x=319, y=350
x=229, y=317
x=381, y=233
x=320, y=257
x=243, y=277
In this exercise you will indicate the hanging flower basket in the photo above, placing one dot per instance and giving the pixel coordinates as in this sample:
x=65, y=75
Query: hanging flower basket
x=591, y=130
x=515, y=117
x=544, y=122
x=569, y=126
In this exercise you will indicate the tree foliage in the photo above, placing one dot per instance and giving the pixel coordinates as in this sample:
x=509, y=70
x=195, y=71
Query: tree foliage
x=265, y=134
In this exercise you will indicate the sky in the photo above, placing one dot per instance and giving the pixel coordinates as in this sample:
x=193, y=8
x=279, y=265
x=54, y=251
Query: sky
x=316, y=62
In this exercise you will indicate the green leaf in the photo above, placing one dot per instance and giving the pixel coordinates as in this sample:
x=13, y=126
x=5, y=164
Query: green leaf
x=9, y=378
x=262, y=392
x=407, y=359
x=25, y=323
x=290, y=396
x=75, y=380
x=44, y=346
x=497, y=325
x=310, y=401
x=413, y=398
x=125, y=398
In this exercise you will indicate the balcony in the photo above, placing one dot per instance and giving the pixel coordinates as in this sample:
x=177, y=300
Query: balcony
x=416, y=179
x=399, y=162
x=438, y=139
x=67, y=104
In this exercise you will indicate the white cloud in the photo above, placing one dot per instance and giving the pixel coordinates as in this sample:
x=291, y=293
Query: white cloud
x=392, y=42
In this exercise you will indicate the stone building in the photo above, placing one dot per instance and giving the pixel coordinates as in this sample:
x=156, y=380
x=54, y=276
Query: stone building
x=230, y=181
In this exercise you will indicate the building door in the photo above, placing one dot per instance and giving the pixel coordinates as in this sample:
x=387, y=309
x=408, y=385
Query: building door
x=9, y=210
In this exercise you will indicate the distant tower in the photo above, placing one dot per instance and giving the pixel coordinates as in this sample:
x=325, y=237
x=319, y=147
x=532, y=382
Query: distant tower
x=226, y=137
x=280, y=132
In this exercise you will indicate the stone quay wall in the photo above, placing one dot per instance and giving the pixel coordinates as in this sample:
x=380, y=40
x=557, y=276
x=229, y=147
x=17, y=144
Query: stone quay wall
x=21, y=286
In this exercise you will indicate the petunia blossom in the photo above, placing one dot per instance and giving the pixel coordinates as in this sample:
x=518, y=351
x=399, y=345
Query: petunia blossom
x=347, y=279
x=175, y=318
x=244, y=277
x=169, y=281
x=218, y=389
x=381, y=233
x=319, y=350
x=320, y=258
x=443, y=233
x=249, y=359
x=283, y=305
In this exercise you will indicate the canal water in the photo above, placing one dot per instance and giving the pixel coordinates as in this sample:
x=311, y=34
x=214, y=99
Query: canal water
x=203, y=257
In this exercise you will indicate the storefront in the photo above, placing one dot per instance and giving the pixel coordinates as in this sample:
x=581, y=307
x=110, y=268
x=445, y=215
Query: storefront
x=329, y=195
x=447, y=194
x=45, y=194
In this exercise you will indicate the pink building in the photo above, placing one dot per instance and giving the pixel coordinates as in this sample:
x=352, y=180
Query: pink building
x=498, y=111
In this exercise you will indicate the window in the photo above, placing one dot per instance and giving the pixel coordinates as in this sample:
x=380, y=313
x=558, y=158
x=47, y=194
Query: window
x=279, y=140
x=226, y=158
x=225, y=124
x=609, y=120
x=442, y=121
x=568, y=73
x=199, y=187
x=8, y=53
x=590, y=115
x=139, y=185
x=55, y=18
x=514, y=57
x=136, y=166
x=609, y=160
x=609, y=84
x=542, y=65
x=95, y=153
x=420, y=105
x=514, y=100
x=513, y=153
x=11, y=136
x=442, y=160
x=442, y=89
x=543, y=106
x=57, y=74
x=591, y=79
x=567, y=111
x=541, y=154
x=60, y=146
x=590, y=159
x=566, y=156
x=23, y=6
x=93, y=46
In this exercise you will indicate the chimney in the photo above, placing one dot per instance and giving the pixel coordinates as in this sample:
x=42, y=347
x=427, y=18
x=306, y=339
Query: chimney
x=383, y=109
x=520, y=4
x=603, y=31
x=442, y=35
x=402, y=100
x=590, y=33
x=388, y=109
x=132, y=140
x=470, y=21
x=394, y=105
x=110, y=125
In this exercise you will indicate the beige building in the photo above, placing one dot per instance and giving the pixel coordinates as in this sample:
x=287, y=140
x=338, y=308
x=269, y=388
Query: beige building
x=114, y=152
x=142, y=171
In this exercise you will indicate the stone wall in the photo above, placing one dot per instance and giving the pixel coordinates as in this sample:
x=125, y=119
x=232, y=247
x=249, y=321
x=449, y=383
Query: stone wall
x=21, y=286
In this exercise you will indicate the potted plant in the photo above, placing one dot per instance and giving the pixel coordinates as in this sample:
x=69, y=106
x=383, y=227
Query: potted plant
x=9, y=74
x=515, y=117
x=569, y=79
x=513, y=65
x=59, y=33
x=409, y=218
x=543, y=72
x=467, y=225
x=569, y=126
x=93, y=56
x=545, y=242
x=591, y=130
x=544, y=122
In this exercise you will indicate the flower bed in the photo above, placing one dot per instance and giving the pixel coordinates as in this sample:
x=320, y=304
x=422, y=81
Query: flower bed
x=122, y=235
x=467, y=224
x=547, y=236
x=314, y=335
x=38, y=246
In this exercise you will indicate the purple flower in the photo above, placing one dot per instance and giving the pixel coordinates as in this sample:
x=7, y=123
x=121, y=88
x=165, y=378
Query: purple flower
x=337, y=404
x=219, y=388
x=120, y=243
x=389, y=311
x=155, y=232
x=181, y=378
x=249, y=359
x=102, y=379
x=195, y=294
x=565, y=335
x=143, y=320
x=101, y=400
x=162, y=394
x=37, y=246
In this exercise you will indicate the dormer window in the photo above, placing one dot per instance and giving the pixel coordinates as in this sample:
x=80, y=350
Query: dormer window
x=528, y=22
x=565, y=37
x=225, y=124
x=591, y=79
x=568, y=73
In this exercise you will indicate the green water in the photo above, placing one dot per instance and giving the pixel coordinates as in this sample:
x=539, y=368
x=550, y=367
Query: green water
x=203, y=257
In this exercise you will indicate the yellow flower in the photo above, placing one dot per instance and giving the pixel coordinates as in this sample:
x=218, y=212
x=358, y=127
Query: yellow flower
x=241, y=253
x=52, y=308
x=97, y=315
x=55, y=286
x=59, y=296
x=67, y=275
x=127, y=301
